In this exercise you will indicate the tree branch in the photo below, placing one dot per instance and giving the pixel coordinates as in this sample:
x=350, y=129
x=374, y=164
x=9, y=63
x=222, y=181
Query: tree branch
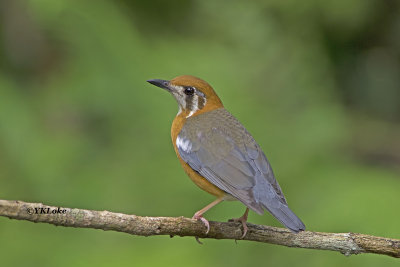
x=346, y=243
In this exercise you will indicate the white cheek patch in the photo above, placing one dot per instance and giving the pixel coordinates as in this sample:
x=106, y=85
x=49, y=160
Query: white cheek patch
x=198, y=102
x=183, y=144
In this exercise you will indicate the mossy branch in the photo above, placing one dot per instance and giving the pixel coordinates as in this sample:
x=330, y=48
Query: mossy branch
x=346, y=243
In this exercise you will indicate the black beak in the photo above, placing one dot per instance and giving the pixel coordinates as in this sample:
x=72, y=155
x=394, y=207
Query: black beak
x=160, y=83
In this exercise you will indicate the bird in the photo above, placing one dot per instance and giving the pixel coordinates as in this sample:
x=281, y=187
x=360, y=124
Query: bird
x=220, y=156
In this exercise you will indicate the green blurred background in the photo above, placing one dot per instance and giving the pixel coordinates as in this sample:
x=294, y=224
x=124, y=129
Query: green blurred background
x=317, y=83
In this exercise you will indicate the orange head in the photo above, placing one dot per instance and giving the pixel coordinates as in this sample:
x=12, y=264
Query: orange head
x=194, y=96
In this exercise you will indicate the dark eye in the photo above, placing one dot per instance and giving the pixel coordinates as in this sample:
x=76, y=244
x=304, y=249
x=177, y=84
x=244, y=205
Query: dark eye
x=189, y=90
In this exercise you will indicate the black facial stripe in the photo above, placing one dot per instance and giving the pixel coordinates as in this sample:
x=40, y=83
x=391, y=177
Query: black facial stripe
x=189, y=102
x=200, y=102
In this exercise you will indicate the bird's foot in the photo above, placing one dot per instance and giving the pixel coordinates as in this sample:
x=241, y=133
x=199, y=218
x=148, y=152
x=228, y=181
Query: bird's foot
x=243, y=220
x=200, y=217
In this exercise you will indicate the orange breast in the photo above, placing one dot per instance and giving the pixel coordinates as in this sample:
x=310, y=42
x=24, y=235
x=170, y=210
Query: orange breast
x=199, y=180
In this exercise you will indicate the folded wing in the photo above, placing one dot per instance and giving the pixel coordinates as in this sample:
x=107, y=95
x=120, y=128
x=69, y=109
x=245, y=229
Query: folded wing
x=229, y=157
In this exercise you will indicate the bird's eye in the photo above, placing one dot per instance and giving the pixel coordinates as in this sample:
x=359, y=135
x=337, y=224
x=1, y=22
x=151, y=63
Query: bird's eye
x=189, y=90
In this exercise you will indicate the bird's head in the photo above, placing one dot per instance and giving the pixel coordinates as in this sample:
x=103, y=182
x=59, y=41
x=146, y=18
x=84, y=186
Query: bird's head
x=194, y=96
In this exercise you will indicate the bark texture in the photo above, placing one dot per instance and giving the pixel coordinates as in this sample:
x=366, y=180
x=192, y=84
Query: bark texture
x=345, y=243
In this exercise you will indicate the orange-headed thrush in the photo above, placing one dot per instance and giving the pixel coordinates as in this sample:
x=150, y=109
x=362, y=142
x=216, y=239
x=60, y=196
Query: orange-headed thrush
x=221, y=156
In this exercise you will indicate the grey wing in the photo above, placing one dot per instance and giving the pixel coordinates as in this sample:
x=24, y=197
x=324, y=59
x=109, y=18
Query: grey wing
x=239, y=168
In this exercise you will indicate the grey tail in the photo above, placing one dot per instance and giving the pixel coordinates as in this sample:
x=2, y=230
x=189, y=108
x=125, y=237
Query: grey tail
x=287, y=217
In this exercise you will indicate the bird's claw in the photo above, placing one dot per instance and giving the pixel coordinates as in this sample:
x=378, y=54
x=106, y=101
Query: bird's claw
x=203, y=220
x=242, y=220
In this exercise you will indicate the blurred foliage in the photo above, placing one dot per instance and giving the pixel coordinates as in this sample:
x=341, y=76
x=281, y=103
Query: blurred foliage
x=316, y=82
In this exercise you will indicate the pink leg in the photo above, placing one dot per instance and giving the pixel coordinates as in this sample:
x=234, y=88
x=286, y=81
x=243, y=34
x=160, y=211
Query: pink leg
x=243, y=220
x=199, y=215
